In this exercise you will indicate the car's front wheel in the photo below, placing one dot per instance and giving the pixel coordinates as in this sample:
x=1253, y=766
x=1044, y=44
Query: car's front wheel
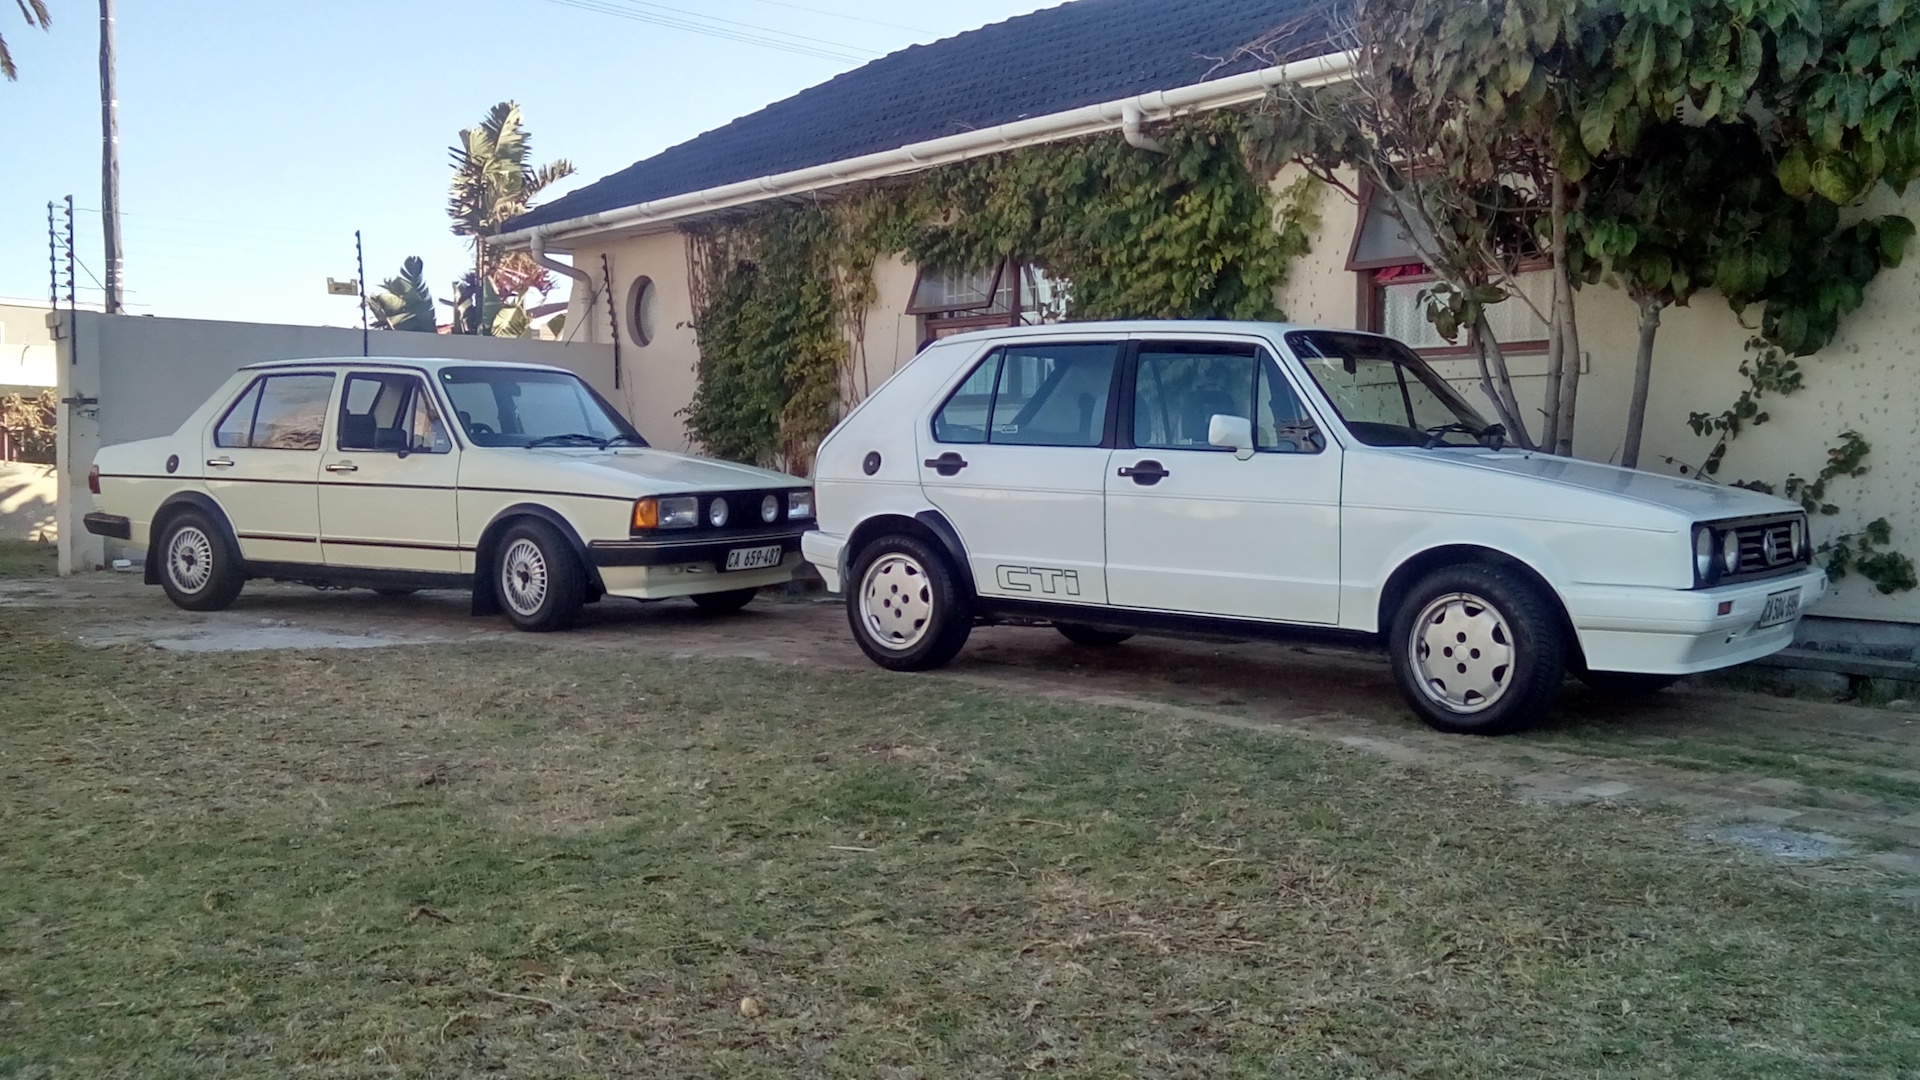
x=197, y=569
x=537, y=578
x=725, y=603
x=1477, y=650
x=907, y=607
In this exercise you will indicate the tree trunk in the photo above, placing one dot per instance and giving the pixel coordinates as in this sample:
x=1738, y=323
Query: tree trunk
x=1494, y=360
x=1556, y=330
x=480, y=283
x=1642, y=375
x=1567, y=328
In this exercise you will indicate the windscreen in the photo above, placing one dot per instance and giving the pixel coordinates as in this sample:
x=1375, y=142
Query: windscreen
x=523, y=407
x=1387, y=395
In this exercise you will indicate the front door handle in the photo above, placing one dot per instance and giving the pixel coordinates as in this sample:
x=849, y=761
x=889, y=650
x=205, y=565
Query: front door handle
x=947, y=464
x=342, y=466
x=1145, y=473
x=220, y=462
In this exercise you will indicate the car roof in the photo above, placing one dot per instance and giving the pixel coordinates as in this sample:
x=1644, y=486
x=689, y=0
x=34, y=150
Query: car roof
x=1142, y=326
x=418, y=363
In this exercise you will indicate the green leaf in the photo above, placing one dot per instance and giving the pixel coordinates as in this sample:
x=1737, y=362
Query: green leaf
x=1795, y=172
x=1836, y=179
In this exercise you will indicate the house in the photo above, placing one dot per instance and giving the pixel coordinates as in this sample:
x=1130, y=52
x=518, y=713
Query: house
x=1097, y=68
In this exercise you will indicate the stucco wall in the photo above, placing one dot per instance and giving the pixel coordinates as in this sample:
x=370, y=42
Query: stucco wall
x=657, y=379
x=147, y=375
x=26, y=347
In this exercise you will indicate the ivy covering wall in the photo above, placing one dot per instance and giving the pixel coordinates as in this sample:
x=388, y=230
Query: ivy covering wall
x=781, y=290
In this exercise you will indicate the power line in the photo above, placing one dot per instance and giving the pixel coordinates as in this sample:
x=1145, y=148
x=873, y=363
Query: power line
x=849, y=18
x=789, y=46
x=748, y=27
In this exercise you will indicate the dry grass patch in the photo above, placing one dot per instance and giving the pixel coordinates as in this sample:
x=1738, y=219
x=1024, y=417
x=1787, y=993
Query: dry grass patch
x=509, y=860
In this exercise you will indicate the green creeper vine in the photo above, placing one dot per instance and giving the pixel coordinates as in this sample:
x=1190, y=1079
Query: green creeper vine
x=1865, y=552
x=780, y=291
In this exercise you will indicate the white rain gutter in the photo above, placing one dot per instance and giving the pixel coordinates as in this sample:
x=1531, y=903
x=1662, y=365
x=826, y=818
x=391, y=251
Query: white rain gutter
x=1124, y=115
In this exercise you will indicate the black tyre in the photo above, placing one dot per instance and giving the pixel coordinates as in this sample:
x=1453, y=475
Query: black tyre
x=1625, y=684
x=198, y=569
x=725, y=603
x=1478, y=650
x=537, y=577
x=1091, y=636
x=906, y=605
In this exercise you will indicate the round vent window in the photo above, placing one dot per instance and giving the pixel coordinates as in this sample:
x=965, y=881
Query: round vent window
x=643, y=300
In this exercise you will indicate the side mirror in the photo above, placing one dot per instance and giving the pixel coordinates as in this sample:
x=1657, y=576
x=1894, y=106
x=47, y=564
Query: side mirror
x=1234, y=433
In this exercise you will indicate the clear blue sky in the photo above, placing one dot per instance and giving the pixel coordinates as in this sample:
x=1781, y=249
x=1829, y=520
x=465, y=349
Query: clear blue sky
x=256, y=137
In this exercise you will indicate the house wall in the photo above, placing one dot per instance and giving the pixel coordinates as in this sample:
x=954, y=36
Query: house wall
x=1865, y=381
x=146, y=375
x=657, y=379
x=26, y=348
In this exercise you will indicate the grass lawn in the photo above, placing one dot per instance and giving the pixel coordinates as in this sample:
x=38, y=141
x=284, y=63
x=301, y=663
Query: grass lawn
x=27, y=559
x=511, y=860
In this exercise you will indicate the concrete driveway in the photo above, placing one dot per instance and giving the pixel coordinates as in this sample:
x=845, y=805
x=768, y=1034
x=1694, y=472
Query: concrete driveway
x=1833, y=788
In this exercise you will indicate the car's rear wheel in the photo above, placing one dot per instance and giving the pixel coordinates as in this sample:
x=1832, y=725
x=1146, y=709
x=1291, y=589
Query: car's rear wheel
x=907, y=607
x=198, y=570
x=1625, y=683
x=537, y=578
x=725, y=603
x=1477, y=650
x=1091, y=636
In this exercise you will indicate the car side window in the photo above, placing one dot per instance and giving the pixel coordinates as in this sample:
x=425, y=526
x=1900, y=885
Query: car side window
x=390, y=413
x=1033, y=395
x=1282, y=424
x=236, y=427
x=281, y=412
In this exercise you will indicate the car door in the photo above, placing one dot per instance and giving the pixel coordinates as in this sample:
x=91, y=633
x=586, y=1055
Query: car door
x=262, y=457
x=1193, y=527
x=1014, y=458
x=387, y=484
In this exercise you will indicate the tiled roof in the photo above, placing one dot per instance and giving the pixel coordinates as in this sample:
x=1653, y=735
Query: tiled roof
x=1061, y=58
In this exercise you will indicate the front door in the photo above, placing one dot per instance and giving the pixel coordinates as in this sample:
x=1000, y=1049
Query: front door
x=387, y=483
x=1192, y=527
x=261, y=462
x=1014, y=459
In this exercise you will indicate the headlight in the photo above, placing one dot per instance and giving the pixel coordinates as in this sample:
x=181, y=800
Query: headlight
x=1703, y=555
x=717, y=513
x=769, y=508
x=1799, y=535
x=800, y=504
x=1730, y=551
x=679, y=512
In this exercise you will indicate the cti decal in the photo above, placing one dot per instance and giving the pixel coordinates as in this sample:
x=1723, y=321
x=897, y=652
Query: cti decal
x=1040, y=579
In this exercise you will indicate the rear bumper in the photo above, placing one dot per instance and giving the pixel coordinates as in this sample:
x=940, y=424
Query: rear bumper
x=111, y=526
x=1681, y=632
x=824, y=550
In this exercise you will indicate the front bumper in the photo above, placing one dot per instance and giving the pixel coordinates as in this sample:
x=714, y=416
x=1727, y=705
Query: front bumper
x=1681, y=632
x=681, y=550
x=664, y=582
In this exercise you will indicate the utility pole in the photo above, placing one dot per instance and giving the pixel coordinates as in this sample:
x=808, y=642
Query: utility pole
x=109, y=159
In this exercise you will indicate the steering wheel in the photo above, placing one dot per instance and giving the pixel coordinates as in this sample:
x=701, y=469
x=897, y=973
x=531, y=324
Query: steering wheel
x=477, y=428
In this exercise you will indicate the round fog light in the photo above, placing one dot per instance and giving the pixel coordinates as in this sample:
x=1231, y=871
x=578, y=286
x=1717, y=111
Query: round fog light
x=769, y=509
x=717, y=513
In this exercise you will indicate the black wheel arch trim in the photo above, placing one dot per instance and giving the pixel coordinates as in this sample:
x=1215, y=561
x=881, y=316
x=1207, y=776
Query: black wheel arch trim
x=484, y=600
x=931, y=524
x=173, y=505
x=1409, y=573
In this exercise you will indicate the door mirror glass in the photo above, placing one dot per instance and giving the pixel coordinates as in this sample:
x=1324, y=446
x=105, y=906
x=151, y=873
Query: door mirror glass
x=1233, y=433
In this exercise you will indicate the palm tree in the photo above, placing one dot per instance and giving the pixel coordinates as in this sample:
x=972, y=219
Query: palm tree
x=492, y=182
x=35, y=12
x=406, y=301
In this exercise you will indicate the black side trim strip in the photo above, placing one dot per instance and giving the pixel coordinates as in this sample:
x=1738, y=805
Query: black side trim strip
x=330, y=541
x=1165, y=624
x=112, y=526
x=281, y=537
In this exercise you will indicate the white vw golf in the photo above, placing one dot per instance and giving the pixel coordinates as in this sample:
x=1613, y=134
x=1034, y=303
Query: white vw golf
x=1260, y=480
x=516, y=481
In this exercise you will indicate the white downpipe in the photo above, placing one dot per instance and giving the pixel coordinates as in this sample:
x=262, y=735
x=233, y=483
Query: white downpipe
x=1092, y=119
x=1131, y=120
x=537, y=247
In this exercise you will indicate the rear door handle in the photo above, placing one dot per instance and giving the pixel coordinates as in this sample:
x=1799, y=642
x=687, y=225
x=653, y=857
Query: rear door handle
x=1145, y=473
x=220, y=462
x=947, y=464
x=342, y=466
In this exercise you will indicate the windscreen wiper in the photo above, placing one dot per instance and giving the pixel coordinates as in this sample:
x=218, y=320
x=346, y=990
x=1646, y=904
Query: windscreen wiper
x=571, y=438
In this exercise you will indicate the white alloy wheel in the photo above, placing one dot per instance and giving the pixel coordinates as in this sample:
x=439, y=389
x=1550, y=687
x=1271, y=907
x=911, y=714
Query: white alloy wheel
x=1463, y=653
x=190, y=559
x=523, y=577
x=896, y=601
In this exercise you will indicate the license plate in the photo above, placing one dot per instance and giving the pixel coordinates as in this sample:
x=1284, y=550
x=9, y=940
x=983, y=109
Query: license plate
x=1781, y=607
x=755, y=558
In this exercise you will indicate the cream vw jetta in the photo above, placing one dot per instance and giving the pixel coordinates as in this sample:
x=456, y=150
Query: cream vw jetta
x=1267, y=480
x=516, y=481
